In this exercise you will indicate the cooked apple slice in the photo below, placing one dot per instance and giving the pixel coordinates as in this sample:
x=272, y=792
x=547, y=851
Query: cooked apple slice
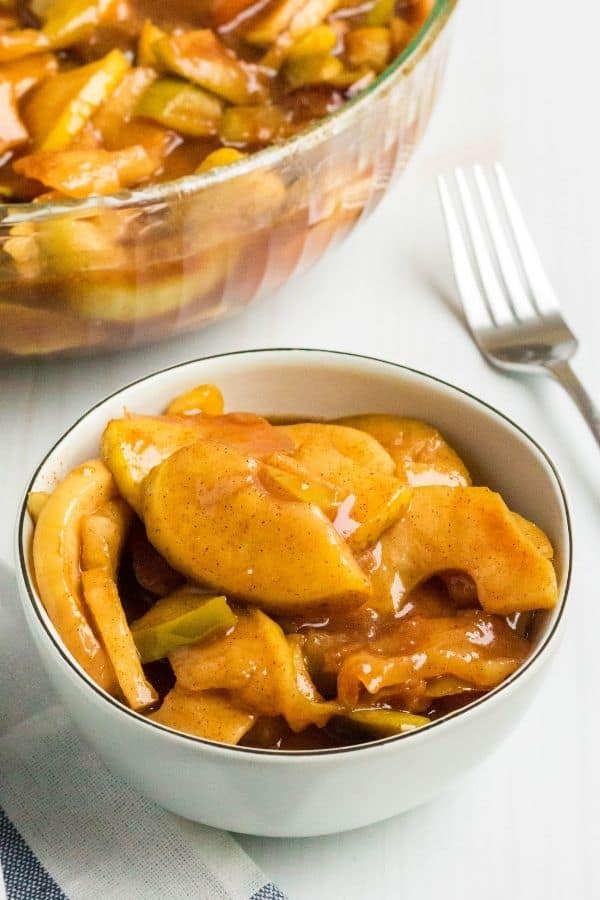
x=184, y=617
x=328, y=447
x=56, y=558
x=104, y=603
x=103, y=537
x=421, y=454
x=289, y=478
x=200, y=57
x=368, y=47
x=132, y=446
x=68, y=21
x=184, y=107
x=259, y=667
x=313, y=70
x=374, y=723
x=20, y=42
x=118, y=108
x=59, y=108
x=469, y=530
x=149, y=35
x=209, y=715
x=371, y=498
x=286, y=20
x=224, y=156
x=256, y=125
x=472, y=649
x=12, y=131
x=208, y=513
x=80, y=173
x=538, y=538
x=25, y=73
x=36, y=501
x=204, y=399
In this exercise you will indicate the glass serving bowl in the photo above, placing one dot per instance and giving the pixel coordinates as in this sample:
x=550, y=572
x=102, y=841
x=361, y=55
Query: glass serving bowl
x=142, y=265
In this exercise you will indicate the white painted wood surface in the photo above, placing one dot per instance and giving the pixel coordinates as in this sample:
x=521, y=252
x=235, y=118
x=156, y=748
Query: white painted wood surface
x=522, y=86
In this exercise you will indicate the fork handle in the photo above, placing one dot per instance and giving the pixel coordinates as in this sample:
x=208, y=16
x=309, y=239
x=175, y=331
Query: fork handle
x=564, y=374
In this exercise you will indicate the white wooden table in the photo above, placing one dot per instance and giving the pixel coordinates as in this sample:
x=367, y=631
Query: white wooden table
x=522, y=86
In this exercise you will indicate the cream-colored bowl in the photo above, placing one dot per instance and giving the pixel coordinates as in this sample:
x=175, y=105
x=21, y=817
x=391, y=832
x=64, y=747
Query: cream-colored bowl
x=320, y=791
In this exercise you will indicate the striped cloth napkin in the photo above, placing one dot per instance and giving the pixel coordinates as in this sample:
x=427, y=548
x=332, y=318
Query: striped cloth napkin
x=69, y=828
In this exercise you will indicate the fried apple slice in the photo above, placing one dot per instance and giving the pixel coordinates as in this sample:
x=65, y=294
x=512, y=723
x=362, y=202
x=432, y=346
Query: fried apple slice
x=103, y=537
x=421, y=454
x=132, y=446
x=374, y=723
x=208, y=513
x=259, y=667
x=56, y=556
x=468, y=530
x=204, y=399
x=102, y=598
x=80, y=173
x=200, y=57
x=209, y=714
x=25, y=73
x=471, y=648
x=59, y=108
x=371, y=498
x=20, y=42
x=12, y=131
x=184, y=617
x=224, y=156
x=68, y=21
x=36, y=501
x=181, y=106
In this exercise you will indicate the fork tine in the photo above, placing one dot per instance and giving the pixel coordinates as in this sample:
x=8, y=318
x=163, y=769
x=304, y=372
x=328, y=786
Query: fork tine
x=541, y=289
x=473, y=304
x=497, y=302
x=517, y=294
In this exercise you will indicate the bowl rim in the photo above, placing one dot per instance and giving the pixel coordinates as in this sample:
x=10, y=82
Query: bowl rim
x=272, y=155
x=423, y=731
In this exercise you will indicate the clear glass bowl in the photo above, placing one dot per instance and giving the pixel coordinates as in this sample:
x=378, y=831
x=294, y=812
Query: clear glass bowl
x=143, y=265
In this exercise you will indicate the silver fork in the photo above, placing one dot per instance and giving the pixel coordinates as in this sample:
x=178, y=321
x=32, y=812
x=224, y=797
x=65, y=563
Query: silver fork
x=508, y=301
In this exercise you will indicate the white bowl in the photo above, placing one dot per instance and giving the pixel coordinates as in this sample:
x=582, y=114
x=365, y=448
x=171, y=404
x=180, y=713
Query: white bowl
x=313, y=792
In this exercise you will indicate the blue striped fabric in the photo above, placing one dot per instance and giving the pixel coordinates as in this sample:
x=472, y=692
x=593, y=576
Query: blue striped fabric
x=24, y=877
x=269, y=892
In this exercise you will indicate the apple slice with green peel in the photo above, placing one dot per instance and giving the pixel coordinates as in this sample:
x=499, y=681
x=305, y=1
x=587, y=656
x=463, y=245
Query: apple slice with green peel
x=261, y=668
x=59, y=108
x=379, y=723
x=200, y=57
x=184, y=617
x=181, y=106
x=67, y=22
